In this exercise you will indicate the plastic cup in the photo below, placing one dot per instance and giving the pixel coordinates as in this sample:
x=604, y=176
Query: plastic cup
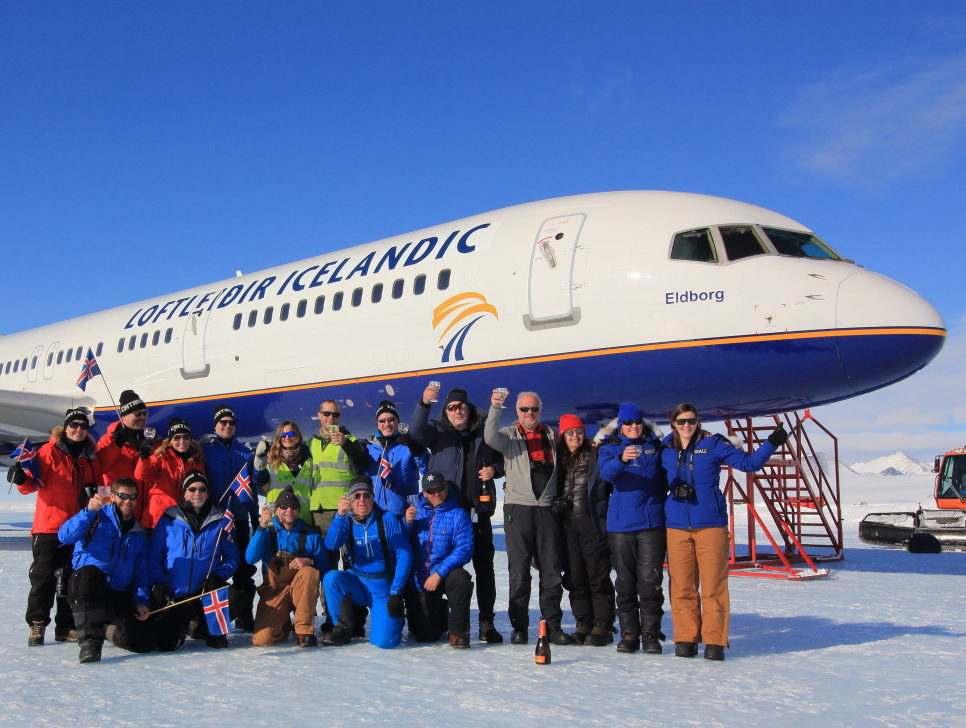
x=104, y=493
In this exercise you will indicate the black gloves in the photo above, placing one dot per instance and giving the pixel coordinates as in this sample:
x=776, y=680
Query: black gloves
x=119, y=435
x=213, y=582
x=144, y=452
x=407, y=440
x=16, y=474
x=395, y=606
x=779, y=437
x=161, y=595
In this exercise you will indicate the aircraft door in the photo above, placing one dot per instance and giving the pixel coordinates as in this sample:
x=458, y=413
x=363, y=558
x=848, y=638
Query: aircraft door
x=551, y=276
x=193, y=346
x=33, y=362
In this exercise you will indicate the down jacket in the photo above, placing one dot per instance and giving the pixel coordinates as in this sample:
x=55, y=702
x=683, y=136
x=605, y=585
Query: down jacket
x=162, y=475
x=700, y=467
x=640, y=486
x=123, y=558
x=441, y=537
x=64, y=478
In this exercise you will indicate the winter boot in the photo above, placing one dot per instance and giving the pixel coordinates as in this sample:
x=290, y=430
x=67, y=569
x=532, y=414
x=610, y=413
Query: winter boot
x=459, y=642
x=337, y=637
x=557, y=636
x=307, y=640
x=36, y=638
x=488, y=632
x=217, y=642
x=713, y=652
x=245, y=620
x=359, y=614
x=651, y=644
x=630, y=632
x=602, y=634
x=91, y=621
x=90, y=651
x=341, y=634
x=65, y=634
x=584, y=627
x=685, y=649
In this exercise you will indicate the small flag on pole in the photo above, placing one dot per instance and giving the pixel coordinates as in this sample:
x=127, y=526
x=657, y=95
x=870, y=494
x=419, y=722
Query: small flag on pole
x=89, y=370
x=241, y=486
x=26, y=455
x=385, y=469
x=216, y=611
x=229, y=524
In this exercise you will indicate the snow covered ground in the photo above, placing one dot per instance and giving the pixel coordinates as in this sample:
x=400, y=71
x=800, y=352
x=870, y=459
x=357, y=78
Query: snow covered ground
x=877, y=643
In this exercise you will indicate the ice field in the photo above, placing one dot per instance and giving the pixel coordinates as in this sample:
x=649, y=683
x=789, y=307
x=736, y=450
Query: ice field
x=879, y=642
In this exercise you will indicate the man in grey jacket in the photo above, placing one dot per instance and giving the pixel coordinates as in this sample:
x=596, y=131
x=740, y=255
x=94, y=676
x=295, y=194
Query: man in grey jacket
x=532, y=533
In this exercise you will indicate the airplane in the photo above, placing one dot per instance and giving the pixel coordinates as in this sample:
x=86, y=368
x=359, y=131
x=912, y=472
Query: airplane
x=591, y=300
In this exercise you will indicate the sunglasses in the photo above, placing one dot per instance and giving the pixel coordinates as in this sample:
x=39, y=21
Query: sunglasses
x=178, y=438
x=574, y=431
x=386, y=422
x=528, y=409
x=226, y=423
x=286, y=508
x=140, y=413
x=200, y=489
x=288, y=434
x=78, y=425
x=434, y=491
x=455, y=407
x=686, y=421
x=630, y=423
x=126, y=496
x=358, y=496
x=333, y=415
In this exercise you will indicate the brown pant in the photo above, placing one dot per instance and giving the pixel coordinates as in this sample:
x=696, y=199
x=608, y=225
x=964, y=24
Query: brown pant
x=285, y=590
x=698, y=558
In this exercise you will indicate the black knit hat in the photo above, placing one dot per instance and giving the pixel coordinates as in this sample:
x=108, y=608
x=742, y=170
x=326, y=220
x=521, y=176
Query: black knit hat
x=193, y=476
x=130, y=402
x=386, y=406
x=456, y=395
x=222, y=411
x=287, y=498
x=178, y=427
x=359, y=484
x=75, y=414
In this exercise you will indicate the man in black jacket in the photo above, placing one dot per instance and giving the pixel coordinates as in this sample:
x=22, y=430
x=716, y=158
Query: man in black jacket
x=457, y=451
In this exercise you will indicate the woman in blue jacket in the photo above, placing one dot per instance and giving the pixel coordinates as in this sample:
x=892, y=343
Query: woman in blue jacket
x=697, y=529
x=631, y=462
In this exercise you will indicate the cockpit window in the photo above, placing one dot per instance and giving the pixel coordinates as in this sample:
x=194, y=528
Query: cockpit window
x=741, y=242
x=694, y=245
x=799, y=245
x=952, y=482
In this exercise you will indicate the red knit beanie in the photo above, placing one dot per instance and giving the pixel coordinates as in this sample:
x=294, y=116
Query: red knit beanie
x=569, y=421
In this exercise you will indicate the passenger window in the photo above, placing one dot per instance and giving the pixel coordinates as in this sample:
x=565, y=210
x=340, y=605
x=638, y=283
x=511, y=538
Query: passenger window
x=694, y=245
x=799, y=245
x=442, y=281
x=300, y=309
x=50, y=358
x=319, y=304
x=236, y=324
x=132, y=341
x=77, y=356
x=60, y=356
x=144, y=339
x=8, y=367
x=167, y=336
x=376, y=293
x=741, y=242
x=252, y=318
x=269, y=312
x=69, y=354
x=397, y=288
x=16, y=365
x=419, y=284
x=23, y=365
x=100, y=348
x=156, y=339
x=33, y=363
x=356, y=297
x=283, y=312
x=337, y=301
x=120, y=346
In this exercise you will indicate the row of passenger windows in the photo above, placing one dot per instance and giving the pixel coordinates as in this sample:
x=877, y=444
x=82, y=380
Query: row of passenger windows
x=132, y=341
x=744, y=241
x=338, y=299
x=63, y=356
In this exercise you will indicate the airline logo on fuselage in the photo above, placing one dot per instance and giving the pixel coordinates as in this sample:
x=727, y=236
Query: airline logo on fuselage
x=456, y=310
x=334, y=271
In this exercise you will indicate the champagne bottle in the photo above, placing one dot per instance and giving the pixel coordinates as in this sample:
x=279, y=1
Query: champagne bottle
x=542, y=654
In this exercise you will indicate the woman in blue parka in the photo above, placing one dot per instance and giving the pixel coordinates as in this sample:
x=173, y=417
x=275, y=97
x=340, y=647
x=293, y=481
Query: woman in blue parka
x=631, y=462
x=697, y=529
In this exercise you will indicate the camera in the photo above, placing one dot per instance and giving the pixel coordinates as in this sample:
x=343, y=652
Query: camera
x=684, y=491
x=561, y=506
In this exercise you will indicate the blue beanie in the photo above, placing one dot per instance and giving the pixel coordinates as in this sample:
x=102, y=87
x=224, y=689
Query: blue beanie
x=629, y=411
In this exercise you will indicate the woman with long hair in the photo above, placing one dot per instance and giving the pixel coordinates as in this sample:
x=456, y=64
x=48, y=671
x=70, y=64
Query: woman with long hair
x=696, y=516
x=162, y=469
x=285, y=462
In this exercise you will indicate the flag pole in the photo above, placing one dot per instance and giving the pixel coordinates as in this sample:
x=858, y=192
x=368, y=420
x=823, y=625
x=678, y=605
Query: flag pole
x=183, y=601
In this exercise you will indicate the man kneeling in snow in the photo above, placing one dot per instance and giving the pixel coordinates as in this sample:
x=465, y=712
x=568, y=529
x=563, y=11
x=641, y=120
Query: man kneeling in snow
x=293, y=560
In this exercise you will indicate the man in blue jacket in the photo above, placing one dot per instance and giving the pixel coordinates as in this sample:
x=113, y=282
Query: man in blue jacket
x=394, y=461
x=380, y=559
x=442, y=539
x=224, y=457
x=293, y=560
x=190, y=553
x=109, y=586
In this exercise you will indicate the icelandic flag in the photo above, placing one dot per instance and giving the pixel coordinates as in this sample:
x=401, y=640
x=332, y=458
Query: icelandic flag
x=89, y=370
x=385, y=468
x=26, y=455
x=229, y=524
x=215, y=604
x=241, y=486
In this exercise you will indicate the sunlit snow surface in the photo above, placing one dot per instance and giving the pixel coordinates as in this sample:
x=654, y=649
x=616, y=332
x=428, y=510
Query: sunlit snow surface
x=880, y=642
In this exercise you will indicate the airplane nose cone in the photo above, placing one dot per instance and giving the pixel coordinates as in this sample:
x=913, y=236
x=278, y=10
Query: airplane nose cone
x=886, y=331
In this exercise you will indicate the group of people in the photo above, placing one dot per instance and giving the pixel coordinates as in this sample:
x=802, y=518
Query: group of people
x=130, y=531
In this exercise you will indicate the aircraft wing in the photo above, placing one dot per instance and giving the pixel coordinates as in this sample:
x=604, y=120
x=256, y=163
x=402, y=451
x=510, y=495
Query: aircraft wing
x=30, y=414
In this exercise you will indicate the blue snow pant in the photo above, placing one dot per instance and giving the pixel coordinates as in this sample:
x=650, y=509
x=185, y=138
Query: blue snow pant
x=384, y=631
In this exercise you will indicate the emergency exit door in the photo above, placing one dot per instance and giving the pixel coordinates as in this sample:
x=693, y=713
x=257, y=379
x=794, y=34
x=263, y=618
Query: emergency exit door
x=551, y=279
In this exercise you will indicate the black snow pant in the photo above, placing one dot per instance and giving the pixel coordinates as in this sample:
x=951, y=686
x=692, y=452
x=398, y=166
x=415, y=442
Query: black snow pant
x=587, y=570
x=445, y=610
x=49, y=556
x=483, y=554
x=639, y=562
x=96, y=606
x=173, y=624
x=533, y=533
x=242, y=579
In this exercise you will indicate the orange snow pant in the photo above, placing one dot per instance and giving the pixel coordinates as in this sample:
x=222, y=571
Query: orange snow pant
x=285, y=590
x=697, y=558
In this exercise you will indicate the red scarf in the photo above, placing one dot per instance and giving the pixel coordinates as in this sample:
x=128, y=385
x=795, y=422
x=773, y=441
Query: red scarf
x=538, y=446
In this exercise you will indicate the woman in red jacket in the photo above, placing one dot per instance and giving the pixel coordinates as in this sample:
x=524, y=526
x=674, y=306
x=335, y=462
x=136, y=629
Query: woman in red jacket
x=163, y=468
x=69, y=473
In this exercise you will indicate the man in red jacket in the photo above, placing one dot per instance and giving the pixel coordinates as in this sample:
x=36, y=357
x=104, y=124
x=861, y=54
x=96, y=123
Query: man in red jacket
x=69, y=473
x=117, y=450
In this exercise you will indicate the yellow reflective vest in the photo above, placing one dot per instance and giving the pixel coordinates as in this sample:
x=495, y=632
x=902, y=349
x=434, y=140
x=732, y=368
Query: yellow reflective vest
x=331, y=472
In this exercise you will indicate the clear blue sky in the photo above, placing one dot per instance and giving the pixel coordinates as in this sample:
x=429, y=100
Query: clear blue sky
x=148, y=147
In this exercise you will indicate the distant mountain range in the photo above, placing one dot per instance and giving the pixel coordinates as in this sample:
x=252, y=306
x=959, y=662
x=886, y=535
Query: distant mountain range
x=896, y=464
